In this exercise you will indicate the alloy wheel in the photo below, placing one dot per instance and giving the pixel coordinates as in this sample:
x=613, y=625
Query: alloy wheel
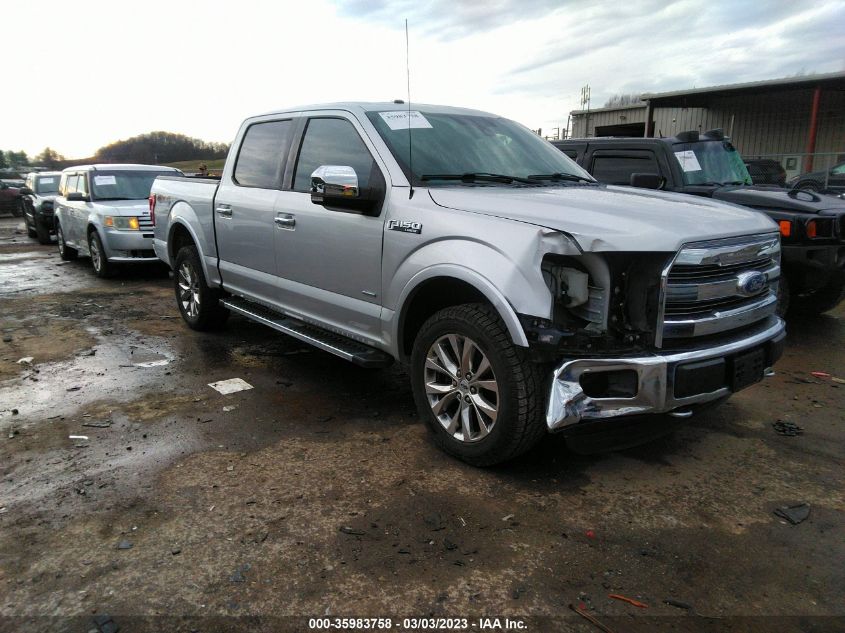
x=60, y=239
x=96, y=257
x=461, y=387
x=189, y=290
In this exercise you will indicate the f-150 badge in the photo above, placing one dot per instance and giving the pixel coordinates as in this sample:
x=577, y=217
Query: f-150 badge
x=406, y=226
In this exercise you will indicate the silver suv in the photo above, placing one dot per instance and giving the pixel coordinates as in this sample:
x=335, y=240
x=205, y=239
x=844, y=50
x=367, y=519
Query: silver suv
x=103, y=211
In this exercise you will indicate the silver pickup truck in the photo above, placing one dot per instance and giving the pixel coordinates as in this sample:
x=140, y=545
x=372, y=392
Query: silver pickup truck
x=523, y=296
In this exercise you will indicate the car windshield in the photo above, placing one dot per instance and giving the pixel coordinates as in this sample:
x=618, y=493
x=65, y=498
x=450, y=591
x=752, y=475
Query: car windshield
x=46, y=185
x=123, y=184
x=472, y=148
x=711, y=163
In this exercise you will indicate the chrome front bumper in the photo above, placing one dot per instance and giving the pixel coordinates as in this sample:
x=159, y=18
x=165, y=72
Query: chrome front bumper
x=568, y=404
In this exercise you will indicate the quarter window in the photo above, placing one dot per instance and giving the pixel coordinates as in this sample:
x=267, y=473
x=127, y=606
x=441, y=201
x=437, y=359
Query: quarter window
x=332, y=142
x=617, y=170
x=71, y=184
x=260, y=157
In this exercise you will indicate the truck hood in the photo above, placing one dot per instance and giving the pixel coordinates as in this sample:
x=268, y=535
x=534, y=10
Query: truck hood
x=777, y=198
x=122, y=207
x=605, y=218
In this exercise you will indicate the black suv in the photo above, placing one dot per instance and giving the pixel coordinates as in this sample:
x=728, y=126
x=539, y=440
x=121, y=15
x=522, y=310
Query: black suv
x=812, y=225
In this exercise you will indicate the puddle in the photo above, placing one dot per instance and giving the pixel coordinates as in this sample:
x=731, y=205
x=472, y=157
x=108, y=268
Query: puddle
x=38, y=272
x=120, y=368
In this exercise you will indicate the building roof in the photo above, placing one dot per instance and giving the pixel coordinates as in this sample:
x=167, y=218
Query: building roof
x=698, y=95
x=629, y=106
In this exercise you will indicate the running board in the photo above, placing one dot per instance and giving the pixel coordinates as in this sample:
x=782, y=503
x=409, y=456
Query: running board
x=336, y=344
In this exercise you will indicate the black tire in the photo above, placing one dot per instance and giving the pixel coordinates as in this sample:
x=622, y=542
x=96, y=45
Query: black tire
x=809, y=185
x=41, y=232
x=520, y=420
x=65, y=252
x=825, y=298
x=189, y=285
x=31, y=232
x=99, y=262
x=783, y=296
x=17, y=210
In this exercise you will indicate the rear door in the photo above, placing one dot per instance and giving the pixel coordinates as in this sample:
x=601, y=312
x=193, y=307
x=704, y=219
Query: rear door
x=330, y=258
x=244, y=210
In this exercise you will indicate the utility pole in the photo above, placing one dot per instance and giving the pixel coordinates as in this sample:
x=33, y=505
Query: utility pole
x=585, y=105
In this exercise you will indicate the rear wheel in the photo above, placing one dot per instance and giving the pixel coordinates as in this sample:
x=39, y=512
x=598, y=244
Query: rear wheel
x=809, y=185
x=31, y=232
x=199, y=305
x=478, y=393
x=65, y=252
x=99, y=261
x=41, y=232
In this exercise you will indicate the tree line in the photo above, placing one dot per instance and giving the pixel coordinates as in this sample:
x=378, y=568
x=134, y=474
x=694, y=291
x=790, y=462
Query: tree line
x=154, y=148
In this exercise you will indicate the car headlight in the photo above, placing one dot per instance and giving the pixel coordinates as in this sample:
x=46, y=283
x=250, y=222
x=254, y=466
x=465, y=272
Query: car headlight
x=122, y=222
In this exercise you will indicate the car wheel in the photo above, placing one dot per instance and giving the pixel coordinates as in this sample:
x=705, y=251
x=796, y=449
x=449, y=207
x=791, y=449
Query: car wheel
x=480, y=396
x=198, y=304
x=65, y=252
x=17, y=210
x=31, y=232
x=818, y=301
x=809, y=185
x=99, y=260
x=41, y=232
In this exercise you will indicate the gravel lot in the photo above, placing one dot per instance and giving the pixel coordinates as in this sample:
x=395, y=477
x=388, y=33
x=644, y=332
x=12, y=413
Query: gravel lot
x=318, y=492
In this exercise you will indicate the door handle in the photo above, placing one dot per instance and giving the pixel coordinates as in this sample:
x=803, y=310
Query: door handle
x=224, y=211
x=286, y=222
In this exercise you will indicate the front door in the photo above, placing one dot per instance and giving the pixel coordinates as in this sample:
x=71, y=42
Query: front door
x=330, y=258
x=244, y=210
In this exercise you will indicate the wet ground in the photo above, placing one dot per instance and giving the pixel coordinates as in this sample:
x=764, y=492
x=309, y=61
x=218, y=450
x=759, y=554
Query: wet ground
x=318, y=492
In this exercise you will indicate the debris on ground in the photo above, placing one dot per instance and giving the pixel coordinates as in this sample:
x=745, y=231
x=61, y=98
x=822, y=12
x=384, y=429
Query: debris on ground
x=590, y=618
x=820, y=374
x=232, y=385
x=7, y=339
x=678, y=604
x=794, y=514
x=789, y=429
x=124, y=544
x=77, y=388
x=78, y=437
x=507, y=518
x=590, y=534
x=153, y=363
x=106, y=624
x=229, y=408
x=632, y=601
x=26, y=360
x=353, y=531
x=87, y=352
x=104, y=424
x=3, y=510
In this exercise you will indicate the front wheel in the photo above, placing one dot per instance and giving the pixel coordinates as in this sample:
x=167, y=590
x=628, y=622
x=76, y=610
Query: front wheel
x=478, y=393
x=41, y=232
x=199, y=305
x=65, y=252
x=100, y=262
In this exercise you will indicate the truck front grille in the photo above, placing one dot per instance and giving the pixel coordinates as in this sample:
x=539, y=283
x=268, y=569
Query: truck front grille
x=718, y=286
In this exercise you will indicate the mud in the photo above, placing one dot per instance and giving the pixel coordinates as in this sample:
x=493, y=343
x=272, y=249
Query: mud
x=319, y=493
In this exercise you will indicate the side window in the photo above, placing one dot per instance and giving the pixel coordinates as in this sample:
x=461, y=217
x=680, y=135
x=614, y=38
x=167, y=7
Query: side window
x=70, y=187
x=572, y=153
x=82, y=184
x=29, y=183
x=260, y=157
x=617, y=170
x=332, y=142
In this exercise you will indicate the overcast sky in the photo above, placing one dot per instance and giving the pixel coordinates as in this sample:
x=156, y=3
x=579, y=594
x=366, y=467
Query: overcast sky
x=89, y=73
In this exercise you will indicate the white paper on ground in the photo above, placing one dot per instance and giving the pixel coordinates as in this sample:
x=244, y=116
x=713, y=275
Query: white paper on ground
x=688, y=160
x=153, y=363
x=233, y=385
x=398, y=120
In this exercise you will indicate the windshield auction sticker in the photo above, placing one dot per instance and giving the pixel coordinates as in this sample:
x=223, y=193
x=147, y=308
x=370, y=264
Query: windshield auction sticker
x=402, y=120
x=688, y=160
x=105, y=180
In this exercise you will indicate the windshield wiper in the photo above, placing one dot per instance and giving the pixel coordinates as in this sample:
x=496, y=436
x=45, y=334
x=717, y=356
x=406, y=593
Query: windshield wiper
x=559, y=176
x=476, y=177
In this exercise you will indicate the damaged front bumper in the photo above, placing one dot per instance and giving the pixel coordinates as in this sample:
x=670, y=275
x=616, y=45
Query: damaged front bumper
x=674, y=381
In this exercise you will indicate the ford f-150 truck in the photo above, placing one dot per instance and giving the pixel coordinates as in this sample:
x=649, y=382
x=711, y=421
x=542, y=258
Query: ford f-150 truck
x=523, y=296
x=812, y=226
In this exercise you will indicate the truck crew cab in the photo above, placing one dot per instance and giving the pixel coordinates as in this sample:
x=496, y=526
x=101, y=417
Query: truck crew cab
x=523, y=296
x=812, y=225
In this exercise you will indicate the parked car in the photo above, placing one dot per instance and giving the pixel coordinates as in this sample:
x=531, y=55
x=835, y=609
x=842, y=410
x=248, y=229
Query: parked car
x=102, y=211
x=832, y=180
x=766, y=171
x=812, y=226
x=523, y=296
x=38, y=196
x=10, y=198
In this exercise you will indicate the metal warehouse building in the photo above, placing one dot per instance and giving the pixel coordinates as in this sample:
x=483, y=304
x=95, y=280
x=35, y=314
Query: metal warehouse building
x=799, y=121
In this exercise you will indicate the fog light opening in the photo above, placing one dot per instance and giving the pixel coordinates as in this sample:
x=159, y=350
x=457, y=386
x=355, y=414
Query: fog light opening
x=620, y=383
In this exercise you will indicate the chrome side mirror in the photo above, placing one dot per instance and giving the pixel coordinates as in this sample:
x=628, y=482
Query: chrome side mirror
x=332, y=182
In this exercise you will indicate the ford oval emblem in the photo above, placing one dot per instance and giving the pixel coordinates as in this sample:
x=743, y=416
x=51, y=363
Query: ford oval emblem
x=751, y=283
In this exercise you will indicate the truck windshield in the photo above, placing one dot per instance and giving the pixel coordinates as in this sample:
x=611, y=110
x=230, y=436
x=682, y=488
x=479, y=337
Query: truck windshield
x=46, y=185
x=711, y=163
x=481, y=149
x=123, y=184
